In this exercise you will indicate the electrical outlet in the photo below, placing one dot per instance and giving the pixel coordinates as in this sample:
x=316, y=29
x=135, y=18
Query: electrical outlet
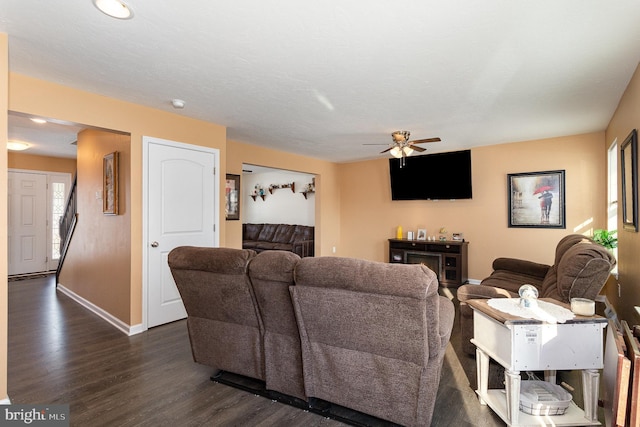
x=333, y=249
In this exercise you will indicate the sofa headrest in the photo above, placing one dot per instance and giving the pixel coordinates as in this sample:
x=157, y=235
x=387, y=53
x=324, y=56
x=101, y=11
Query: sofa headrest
x=584, y=270
x=567, y=242
x=275, y=266
x=218, y=260
x=251, y=231
x=581, y=269
x=408, y=280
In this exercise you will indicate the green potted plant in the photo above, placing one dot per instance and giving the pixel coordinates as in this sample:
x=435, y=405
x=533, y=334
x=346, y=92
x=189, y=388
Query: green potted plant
x=606, y=238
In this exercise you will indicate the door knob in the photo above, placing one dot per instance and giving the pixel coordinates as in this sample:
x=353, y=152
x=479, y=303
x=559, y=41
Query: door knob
x=154, y=244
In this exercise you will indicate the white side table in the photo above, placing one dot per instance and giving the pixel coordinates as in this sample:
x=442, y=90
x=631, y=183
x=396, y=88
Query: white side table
x=520, y=344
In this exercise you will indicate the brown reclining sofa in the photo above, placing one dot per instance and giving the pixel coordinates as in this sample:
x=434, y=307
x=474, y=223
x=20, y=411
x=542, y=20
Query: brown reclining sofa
x=580, y=270
x=298, y=239
x=364, y=335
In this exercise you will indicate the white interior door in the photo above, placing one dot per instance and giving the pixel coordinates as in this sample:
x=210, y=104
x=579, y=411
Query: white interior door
x=181, y=187
x=27, y=224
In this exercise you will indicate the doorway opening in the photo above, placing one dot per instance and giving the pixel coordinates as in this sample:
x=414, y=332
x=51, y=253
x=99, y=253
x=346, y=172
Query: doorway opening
x=289, y=196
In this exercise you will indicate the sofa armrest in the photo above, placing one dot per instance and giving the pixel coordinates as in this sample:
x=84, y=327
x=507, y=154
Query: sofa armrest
x=467, y=292
x=521, y=266
x=445, y=322
x=303, y=248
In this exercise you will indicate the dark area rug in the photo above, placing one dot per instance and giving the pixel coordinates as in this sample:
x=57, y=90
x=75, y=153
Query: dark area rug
x=317, y=406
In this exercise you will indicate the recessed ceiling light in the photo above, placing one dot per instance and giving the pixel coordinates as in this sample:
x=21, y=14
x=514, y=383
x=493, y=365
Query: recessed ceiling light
x=17, y=146
x=37, y=120
x=114, y=8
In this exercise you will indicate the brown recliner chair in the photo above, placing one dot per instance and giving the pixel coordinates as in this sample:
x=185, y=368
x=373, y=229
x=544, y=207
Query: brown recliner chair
x=271, y=273
x=373, y=335
x=580, y=270
x=225, y=328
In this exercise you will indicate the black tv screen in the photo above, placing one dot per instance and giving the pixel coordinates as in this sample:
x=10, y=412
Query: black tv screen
x=438, y=176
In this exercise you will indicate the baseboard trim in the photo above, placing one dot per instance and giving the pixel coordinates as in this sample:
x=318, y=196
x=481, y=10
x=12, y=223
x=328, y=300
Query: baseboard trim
x=136, y=329
x=5, y=401
x=114, y=321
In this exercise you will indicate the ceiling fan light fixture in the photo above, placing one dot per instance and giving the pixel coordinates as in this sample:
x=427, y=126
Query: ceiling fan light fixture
x=396, y=152
x=114, y=8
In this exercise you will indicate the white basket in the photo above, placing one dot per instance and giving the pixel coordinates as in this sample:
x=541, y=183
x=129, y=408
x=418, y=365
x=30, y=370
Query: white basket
x=543, y=398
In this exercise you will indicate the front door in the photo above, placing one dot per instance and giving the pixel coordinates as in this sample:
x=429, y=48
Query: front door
x=181, y=190
x=27, y=225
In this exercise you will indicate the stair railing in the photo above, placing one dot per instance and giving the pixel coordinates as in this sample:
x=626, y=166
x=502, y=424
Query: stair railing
x=68, y=224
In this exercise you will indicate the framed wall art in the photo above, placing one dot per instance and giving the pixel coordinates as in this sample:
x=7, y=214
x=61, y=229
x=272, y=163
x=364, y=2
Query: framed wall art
x=629, y=172
x=110, y=184
x=232, y=197
x=536, y=199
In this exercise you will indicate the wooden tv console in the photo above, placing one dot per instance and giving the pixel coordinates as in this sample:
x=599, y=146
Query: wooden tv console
x=448, y=259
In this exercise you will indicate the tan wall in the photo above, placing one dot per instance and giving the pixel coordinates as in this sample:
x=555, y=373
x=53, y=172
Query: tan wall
x=100, y=253
x=369, y=217
x=42, y=163
x=327, y=194
x=625, y=119
x=4, y=83
x=32, y=96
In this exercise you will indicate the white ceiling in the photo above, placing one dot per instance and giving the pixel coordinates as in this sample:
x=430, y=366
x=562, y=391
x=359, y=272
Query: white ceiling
x=51, y=139
x=323, y=78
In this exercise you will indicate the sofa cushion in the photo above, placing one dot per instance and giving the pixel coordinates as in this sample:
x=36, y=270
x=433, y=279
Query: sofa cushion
x=523, y=267
x=271, y=273
x=249, y=244
x=302, y=232
x=251, y=231
x=265, y=246
x=267, y=232
x=510, y=280
x=283, y=233
x=283, y=247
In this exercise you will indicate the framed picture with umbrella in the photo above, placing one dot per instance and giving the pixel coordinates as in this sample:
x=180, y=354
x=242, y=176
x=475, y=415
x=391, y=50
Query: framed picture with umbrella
x=536, y=199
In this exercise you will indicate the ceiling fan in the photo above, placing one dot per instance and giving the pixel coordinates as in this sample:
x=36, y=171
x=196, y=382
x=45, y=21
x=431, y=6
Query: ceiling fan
x=401, y=147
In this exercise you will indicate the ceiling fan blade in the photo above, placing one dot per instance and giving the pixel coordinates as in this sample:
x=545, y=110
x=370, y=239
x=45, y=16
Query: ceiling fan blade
x=418, y=149
x=373, y=144
x=388, y=149
x=422, y=141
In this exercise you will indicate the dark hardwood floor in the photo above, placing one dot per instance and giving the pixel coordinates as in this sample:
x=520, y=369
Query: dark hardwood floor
x=60, y=353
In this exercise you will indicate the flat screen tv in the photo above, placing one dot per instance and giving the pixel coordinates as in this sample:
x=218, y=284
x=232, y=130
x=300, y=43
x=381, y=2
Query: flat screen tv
x=441, y=176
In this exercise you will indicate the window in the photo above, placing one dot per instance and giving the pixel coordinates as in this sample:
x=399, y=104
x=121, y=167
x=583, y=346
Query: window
x=58, y=196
